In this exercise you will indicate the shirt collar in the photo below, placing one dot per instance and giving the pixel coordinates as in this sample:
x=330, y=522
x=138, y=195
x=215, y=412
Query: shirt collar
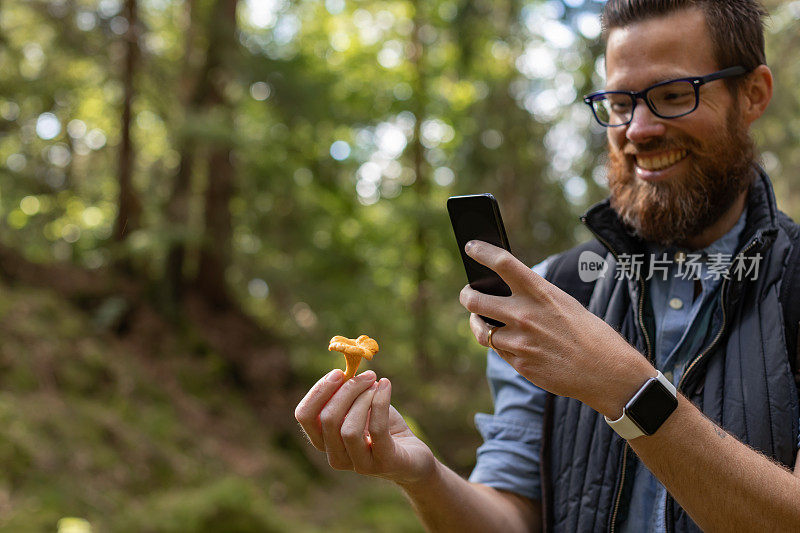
x=725, y=245
x=728, y=243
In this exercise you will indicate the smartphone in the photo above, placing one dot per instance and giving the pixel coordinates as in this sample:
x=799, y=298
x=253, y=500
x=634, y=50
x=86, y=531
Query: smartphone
x=477, y=217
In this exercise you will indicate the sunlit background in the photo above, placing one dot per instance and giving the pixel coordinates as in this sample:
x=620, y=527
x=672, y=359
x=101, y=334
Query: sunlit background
x=196, y=195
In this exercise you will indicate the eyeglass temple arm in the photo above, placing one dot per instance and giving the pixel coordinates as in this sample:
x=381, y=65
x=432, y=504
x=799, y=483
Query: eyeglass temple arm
x=725, y=73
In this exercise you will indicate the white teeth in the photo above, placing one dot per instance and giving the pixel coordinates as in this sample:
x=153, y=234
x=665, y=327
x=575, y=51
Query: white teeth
x=661, y=162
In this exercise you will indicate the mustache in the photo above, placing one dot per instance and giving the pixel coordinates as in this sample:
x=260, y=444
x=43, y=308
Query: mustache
x=661, y=145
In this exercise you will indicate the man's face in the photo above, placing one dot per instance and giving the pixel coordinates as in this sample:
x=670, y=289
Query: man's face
x=671, y=178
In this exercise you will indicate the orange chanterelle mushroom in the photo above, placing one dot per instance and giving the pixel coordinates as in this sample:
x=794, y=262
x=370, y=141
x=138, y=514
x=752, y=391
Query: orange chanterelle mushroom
x=353, y=350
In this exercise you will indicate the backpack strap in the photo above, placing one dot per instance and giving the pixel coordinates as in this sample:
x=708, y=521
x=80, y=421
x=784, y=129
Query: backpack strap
x=790, y=299
x=562, y=271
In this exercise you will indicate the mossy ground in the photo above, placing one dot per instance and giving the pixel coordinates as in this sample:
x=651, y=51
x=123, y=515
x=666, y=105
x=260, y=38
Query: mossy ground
x=133, y=440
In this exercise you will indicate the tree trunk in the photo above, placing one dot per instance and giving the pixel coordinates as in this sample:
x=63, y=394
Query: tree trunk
x=178, y=217
x=421, y=302
x=201, y=96
x=177, y=210
x=215, y=253
x=129, y=206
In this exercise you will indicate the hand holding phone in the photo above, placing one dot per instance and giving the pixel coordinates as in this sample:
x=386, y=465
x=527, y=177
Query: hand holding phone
x=477, y=217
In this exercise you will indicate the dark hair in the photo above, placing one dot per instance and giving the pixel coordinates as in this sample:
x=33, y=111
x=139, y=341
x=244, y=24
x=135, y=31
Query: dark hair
x=736, y=26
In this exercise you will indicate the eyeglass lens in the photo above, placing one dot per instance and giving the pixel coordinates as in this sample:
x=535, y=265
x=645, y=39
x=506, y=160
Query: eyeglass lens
x=668, y=100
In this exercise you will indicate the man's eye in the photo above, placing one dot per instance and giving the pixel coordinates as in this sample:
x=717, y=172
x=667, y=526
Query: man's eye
x=675, y=96
x=618, y=105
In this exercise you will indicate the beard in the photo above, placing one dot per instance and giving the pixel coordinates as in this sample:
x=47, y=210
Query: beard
x=671, y=211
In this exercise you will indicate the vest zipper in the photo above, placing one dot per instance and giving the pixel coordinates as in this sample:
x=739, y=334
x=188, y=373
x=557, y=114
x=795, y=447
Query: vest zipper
x=721, y=331
x=618, y=497
x=623, y=463
x=649, y=351
x=669, y=526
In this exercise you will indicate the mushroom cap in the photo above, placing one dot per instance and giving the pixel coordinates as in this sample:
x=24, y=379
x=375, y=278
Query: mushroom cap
x=363, y=346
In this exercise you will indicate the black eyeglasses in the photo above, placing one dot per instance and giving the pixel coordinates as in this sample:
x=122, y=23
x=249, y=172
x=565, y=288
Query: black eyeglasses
x=668, y=99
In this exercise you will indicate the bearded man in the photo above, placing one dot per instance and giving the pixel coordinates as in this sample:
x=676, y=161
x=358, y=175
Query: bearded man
x=670, y=403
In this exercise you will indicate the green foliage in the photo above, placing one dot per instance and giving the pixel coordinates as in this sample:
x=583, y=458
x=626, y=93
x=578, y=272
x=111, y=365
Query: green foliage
x=778, y=131
x=229, y=505
x=350, y=123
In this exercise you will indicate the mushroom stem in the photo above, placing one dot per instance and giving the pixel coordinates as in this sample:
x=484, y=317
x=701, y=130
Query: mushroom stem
x=353, y=361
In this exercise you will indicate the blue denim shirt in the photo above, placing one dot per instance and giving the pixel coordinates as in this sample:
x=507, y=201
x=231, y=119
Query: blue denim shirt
x=509, y=457
x=682, y=323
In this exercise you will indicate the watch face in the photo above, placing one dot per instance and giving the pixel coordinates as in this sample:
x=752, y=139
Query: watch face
x=651, y=406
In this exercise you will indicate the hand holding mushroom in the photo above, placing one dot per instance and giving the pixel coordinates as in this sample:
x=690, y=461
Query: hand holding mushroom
x=354, y=423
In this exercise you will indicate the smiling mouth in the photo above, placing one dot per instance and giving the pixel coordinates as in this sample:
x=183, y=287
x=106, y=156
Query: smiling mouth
x=661, y=161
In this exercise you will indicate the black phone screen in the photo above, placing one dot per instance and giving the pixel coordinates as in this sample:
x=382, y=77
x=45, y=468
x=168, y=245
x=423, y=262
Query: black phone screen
x=477, y=217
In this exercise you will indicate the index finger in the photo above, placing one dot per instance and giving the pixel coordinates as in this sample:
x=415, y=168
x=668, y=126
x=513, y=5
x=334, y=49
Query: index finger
x=308, y=410
x=513, y=271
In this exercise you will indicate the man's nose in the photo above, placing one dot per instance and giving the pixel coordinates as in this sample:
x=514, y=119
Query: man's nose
x=644, y=125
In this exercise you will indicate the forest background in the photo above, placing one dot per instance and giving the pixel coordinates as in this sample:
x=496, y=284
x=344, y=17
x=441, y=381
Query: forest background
x=196, y=195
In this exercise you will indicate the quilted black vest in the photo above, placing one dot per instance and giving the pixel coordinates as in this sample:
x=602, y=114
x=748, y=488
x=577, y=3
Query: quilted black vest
x=741, y=379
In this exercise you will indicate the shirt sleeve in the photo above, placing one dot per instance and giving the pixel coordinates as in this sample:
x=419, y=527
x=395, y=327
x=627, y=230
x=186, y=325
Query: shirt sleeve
x=509, y=457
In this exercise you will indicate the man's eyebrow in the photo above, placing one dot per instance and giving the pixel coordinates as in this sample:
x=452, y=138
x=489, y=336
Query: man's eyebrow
x=655, y=81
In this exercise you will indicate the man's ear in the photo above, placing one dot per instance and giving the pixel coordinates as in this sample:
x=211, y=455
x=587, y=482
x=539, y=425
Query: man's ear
x=755, y=93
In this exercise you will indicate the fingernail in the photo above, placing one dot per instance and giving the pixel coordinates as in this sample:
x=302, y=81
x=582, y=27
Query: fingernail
x=334, y=376
x=366, y=376
x=469, y=246
x=383, y=384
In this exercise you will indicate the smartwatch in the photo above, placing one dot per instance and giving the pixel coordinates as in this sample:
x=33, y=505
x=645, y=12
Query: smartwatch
x=647, y=410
